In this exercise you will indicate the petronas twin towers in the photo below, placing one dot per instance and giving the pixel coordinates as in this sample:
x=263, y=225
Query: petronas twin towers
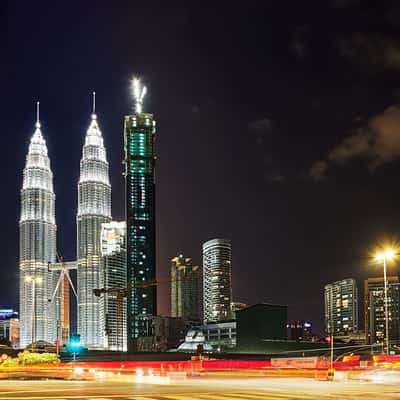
x=94, y=208
x=39, y=306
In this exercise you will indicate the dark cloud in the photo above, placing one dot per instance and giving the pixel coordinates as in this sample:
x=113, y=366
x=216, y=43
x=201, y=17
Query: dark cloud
x=318, y=170
x=299, y=43
x=279, y=178
x=299, y=47
x=378, y=142
x=344, y=3
x=374, y=52
x=263, y=125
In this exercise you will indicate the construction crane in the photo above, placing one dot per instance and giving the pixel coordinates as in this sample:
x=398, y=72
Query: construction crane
x=64, y=282
x=121, y=293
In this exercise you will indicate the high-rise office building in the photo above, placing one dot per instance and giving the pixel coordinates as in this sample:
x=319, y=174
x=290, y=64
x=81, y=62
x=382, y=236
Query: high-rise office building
x=374, y=309
x=186, y=287
x=112, y=306
x=217, y=289
x=37, y=244
x=94, y=208
x=139, y=132
x=341, y=308
x=9, y=327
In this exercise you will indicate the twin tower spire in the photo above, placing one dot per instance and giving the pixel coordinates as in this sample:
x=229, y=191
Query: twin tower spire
x=38, y=316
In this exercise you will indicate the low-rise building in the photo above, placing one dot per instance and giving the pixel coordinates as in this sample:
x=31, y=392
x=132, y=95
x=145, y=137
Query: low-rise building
x=258, y=323
x=163, y=333
x=300, y=331
x=9, y=326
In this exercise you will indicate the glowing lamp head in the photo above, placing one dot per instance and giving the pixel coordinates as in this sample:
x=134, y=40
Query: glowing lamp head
x=387, y=255
x=33, y=279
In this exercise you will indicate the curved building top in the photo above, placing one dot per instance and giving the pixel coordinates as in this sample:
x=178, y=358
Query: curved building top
x=37, y=194
x=94, y=165
x=37, y=172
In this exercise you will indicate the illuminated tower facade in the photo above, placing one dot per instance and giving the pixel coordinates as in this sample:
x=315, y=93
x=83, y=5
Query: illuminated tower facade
x=217, y=289
x=341, y=308
x=94, y=208
x=374, y=309
x=113, y=306
x=37, y=244
x=186, y=288
x=139, y=132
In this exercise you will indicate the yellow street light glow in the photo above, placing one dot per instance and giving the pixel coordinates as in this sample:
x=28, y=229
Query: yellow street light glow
x=387, y=254
x=31, y=278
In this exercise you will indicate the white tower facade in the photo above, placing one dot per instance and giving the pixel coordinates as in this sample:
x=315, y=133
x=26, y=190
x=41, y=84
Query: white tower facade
x=94, y=208
x=217, y=289
x=113, y=307
x=37, y=239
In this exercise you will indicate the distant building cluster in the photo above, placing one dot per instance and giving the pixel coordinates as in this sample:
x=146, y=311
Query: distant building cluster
x=9, y=327
x=342, y=311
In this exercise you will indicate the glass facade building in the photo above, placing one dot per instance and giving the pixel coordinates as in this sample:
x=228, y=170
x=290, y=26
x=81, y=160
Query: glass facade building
x=186, y=288
x=139, y=133
x=217, y=289
x=94, y=208
x=374, y=308
x=37, y=245
x=113, y=308
x=341, y=308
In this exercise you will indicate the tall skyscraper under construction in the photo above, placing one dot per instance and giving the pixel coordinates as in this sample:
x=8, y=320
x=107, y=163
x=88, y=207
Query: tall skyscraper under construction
x=37, y=244
x=94, y=208
x=139, y=132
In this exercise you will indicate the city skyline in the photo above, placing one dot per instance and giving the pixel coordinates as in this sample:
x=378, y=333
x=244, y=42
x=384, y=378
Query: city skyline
x=93, y=126
x=277, y=121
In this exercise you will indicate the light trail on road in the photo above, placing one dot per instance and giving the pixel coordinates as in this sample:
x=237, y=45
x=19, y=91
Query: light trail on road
x=203, y=388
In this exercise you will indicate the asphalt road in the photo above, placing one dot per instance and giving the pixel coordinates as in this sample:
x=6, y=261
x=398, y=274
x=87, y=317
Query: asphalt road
x=201, y=388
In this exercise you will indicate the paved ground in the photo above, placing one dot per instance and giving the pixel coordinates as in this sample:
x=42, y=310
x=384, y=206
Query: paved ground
x=202, y=388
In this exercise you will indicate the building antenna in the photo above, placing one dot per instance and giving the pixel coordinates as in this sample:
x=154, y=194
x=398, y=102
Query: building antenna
x=37, y=114
x=94, y=102
x=139, y=92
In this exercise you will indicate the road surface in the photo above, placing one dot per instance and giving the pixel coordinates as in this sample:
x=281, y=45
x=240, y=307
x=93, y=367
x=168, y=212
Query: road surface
x=201, y=388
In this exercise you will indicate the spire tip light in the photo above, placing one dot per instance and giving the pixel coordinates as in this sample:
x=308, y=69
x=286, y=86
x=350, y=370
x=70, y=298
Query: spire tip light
x=139, y=92
x=37, y=115
x=94, y=105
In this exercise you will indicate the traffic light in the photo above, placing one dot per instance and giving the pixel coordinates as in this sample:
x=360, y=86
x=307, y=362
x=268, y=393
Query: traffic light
x=74, y=344
x=328, y=340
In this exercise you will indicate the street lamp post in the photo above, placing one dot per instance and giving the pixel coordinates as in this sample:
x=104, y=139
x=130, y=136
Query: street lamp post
x=385, y=256
x=34, y=280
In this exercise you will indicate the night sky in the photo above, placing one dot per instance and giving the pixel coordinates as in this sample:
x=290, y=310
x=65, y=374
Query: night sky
x=278, y=128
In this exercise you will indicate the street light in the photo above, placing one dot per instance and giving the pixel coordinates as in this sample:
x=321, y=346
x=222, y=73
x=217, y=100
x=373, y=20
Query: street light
x=34, y=280
x=386, y=255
